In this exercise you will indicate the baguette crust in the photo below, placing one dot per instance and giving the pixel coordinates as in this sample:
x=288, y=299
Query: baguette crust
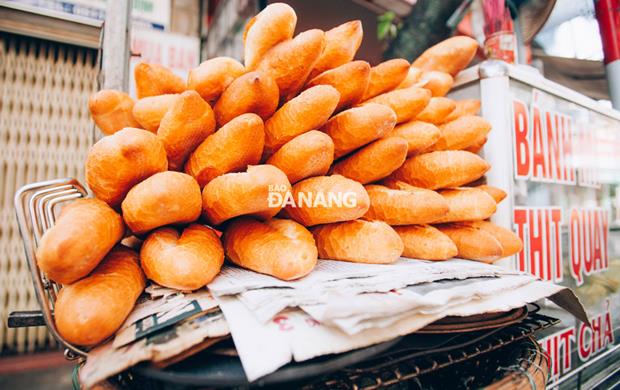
x=341, y=44
x=278, y=247
x=419, y=135
x=188, y=122
x=464, y=107
x=63, y=253
x=467, y=204
x=358, y=241
x=163, y=199
x=350, y=80
x=426, y=242
x=111, y=110
x=437, y=110
x=149, y=111
x=213, y=76
x=404, y=206
x=359, y=126
x=439, y=83
x=89, y=311
x=473, y=243
x=274, y=24
x=406, y=103
x=385, y=77
x=374, y=161
x=450, y=55
x=413, y=78
x=184, y=261
x=511, y=243
x=314, y=212
x=309, y=154
x=250, y=191
x=232, y=148
x=252, y=92
x=308, y=111
x=496, y=193
x=119, y=161
x=462, y=133
x=154, y=79
x=442, y=169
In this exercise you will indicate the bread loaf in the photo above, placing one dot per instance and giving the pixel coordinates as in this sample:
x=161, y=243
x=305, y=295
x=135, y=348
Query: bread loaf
x=462, y=133
x=341, y=44
x=406, y=103
x=477, y=145
x=437, y=109
x=359, y=126
x=358, y=241
x=188, y=122
x=163, y=199
x=439, y=83
x=374, y=161
x=252, y=92
x=212, y=76
x=119, y=161
x=149, y=111
x=232, y=148
x=419, y=135
x=83, y=234
x=327, y=199
x=350, y=80
x=309, y=154
x=467, y=204
x=404, y=206
x=413, y=78
x=441, y=169
x=274, y=24
x=510, y=242
x=308, y=111
x=450, y=55
x=184, y=261
x=464, y=107
x=496, y=193
x=111, y=110
x=385, y=77
x=289, y=63
x=473, y=243
x=278, y=247
x=426, y=242
x=89, y=311
x=258, y=192
x=154, y=79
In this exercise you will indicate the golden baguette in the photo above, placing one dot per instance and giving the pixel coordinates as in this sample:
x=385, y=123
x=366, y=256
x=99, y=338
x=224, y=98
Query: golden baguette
x=212, y=77
x=406, y=103
x=473, y=243
x=439, y=83
x=420, y=136
x=413, y=78
x=436, y=110
x=350, y=80
x=111, y=110
x=450, y=55
x=467, y=204
x=511, y=243
x=341, y=44
x=385, y=77
x=426, y=242
x=404, y=206
x=496, y=193
x=149, y=111
x=462, y=133
x=154, y=79
x=464, y=107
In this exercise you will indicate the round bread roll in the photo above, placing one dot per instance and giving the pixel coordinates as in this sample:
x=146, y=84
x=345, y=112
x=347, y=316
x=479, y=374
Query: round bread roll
x=405, y=206
x=358, y=241
x=467, y=204
x=341, y=44
x=359, y=126
x=385, y=77
x=420, y=136
x=111, y=110
x=473, y=243
x=289, y=62
x=163, y=199
x=309, y=154
x=83, y=234
x=154, y=79
x=437, y=110
x=278, y=247
x=462, y=133
x=149, y=111
x=188, y=122
x=212, y=77
x=511, y=243
x=327, y=199
x=92, y=309
x=259, y=192
x=426, y=242
x=452, y=168
x=450, y=55
x=496, y=193
x=350, y=80
x=274, y=24
x=236, y=145
x=308, y=111
x=252, y=92
x=184, y=261
x=406, y=103
x=119, y=161
x=463, y=107
x=439, y=83
x=374, y=161
x=413, y=78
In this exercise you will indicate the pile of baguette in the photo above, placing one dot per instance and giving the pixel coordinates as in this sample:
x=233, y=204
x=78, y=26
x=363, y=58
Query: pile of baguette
x=186, y=172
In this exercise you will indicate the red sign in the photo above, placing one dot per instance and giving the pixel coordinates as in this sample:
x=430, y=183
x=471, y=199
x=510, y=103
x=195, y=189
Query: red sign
x=589, y=232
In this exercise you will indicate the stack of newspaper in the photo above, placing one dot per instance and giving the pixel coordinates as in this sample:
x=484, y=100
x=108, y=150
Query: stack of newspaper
x=338, y=307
